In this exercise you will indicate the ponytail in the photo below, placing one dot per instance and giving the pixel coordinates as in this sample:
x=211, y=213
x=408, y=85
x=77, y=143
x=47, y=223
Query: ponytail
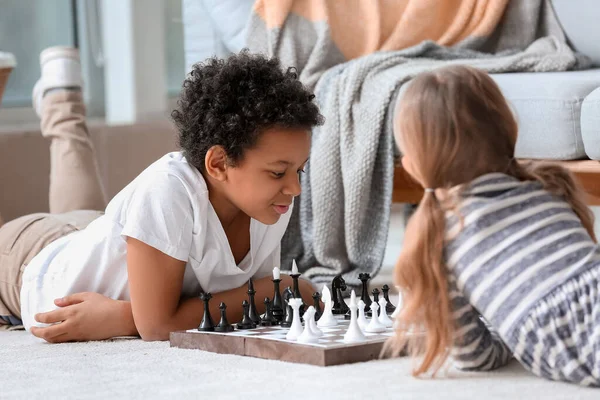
x=422, y=277
x=560, y=182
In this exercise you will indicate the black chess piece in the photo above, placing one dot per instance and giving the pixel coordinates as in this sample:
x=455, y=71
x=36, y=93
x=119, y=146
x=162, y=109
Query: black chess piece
x=364, y=278
x=389, y=307
x=246, y=322
x=297, y=294
x=376, y=299
x=288, y=317
x=253, y=314
x=224, y=325
x=207, y=323
x=277, y=308
x=317, y=304
x=267, y=319
x=338, y=285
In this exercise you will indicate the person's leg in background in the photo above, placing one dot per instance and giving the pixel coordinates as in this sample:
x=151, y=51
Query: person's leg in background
x=76, y=195
x=74, y=178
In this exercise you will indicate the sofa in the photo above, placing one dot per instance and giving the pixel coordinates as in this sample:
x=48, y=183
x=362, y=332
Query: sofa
x=558, y=113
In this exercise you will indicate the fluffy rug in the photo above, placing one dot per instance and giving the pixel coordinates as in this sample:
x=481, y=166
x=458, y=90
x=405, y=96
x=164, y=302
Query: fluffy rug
x=131, y=368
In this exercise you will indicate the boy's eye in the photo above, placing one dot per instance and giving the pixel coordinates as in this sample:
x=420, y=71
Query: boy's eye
x=278, y=175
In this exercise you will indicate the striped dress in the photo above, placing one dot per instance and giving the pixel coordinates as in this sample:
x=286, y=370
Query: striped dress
x=524, y=280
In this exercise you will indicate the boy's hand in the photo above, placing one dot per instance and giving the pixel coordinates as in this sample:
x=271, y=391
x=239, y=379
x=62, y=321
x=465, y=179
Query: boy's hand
x=85, y=316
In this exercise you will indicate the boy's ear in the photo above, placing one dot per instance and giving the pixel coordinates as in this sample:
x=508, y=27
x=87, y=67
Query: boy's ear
x=215, y=163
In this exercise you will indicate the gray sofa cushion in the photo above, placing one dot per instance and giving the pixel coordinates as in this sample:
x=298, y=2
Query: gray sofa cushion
x=590, y=124
x=548, y=108
x=579, y=20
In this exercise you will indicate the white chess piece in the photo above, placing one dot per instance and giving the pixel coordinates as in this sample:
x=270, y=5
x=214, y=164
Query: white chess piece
x=354, y=332
x=362, y=319
x=308, y=336
x=374, y=326
x=312, y=324
x=296, y=328
x=383, y=317
x=327, y=319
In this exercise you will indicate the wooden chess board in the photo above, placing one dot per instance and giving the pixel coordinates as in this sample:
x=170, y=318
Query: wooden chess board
x=270, y=342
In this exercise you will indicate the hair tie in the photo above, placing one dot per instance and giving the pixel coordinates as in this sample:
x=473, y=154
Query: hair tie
x=429, y=190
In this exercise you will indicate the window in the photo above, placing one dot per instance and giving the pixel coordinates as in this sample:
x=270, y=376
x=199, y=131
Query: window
x=174, y=46
x=28, y=27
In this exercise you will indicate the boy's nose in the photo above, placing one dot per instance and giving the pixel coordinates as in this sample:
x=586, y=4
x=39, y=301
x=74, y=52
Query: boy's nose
x=292, y=186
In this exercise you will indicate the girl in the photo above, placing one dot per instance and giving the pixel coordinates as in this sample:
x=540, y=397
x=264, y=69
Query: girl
x=207, y=218
x=492, y=238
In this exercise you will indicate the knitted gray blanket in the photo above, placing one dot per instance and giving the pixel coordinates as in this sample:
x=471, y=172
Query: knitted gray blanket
x=340, y=221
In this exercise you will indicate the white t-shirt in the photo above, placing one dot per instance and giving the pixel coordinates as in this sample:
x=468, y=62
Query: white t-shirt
x=166, y=207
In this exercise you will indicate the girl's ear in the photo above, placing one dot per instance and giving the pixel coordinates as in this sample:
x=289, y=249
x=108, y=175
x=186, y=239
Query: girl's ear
x=215, y=163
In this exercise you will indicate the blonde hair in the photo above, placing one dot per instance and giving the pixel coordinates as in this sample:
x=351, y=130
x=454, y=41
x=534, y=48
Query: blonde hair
x=455, y=125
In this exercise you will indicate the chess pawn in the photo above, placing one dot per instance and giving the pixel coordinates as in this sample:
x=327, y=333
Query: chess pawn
x=383, y=317
x=354, y=332
x=246, y=322
x=362, y=320
x=224, y=325
x=268, y=319
x=376, y=298
x=253, y=313
x=207, y=324
x=312, y=325
x=389, y=308
x=374, y=325
x=317, y=304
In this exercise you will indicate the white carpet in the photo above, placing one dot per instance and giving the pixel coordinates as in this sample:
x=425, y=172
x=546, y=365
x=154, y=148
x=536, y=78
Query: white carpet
x=131, y=368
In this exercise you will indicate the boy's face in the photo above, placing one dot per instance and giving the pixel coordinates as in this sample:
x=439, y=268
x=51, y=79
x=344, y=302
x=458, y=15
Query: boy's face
x=267, y=178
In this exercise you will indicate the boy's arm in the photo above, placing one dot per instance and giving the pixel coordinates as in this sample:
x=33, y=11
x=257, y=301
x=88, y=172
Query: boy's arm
x=155, y=283
x=156, y=309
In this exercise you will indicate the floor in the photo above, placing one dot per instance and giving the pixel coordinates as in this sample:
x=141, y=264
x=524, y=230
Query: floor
x=133, y=369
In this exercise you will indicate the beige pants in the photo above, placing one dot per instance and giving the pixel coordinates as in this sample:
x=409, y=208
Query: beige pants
x=74, y=188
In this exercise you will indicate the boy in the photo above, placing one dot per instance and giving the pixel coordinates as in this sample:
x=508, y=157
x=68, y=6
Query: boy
x=207, y=218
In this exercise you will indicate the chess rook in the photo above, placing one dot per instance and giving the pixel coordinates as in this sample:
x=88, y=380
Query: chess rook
x=296, y=328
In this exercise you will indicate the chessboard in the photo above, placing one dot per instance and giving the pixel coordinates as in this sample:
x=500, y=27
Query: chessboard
x=269, y=342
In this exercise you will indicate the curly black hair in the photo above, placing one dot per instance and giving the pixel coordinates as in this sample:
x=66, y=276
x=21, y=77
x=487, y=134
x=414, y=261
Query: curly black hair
x=230, y=102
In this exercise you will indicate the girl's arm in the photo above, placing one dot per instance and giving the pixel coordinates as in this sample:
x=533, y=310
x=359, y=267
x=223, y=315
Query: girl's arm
x=155, y=283
x=475, y=346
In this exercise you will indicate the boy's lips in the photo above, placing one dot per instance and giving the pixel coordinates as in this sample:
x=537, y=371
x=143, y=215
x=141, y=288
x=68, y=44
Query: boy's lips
x=281, y=209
